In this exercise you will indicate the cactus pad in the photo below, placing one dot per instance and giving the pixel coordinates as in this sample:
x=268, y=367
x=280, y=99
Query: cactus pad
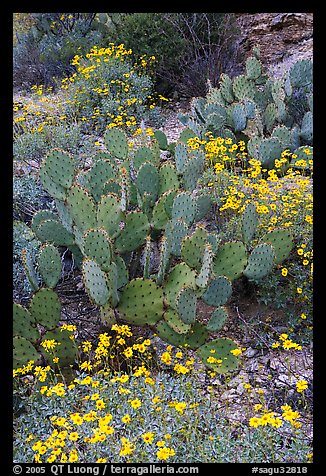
x=23, y=323
x=206, y=268
x=110, y=215
x=148, y=181
x=173, y=320
x=66, y=350
x=219, y=349
x=181, y=157
x=97, y=246
x=54, y=189
x=53, y=231
x=95, y=282
x=49, y=265
x=249, y=222
x=217, y=319
x=101, y=172
x=184, y=207
x=142, y=155
x=45, y=308
x=134, y=232
x=23, y=352
x=116, y=142
x=193, y=247
x=260, y=262
x=218, y=292
x=186, y=302
x=230, y=260
x=282, y=242
x=180, y=276
x=168, y=178
x=82, y=208
x=175, y=231
x=60, y=167
x=141, y=302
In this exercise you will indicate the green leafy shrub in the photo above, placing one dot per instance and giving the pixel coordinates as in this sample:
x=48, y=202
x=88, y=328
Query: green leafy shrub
x=108, y=89
x=190, y=48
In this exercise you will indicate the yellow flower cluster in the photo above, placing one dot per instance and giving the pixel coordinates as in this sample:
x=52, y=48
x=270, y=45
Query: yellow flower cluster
x=270, y=418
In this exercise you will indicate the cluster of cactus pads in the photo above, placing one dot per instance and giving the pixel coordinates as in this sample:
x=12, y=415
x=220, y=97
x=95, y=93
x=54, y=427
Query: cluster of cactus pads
x=39, y=321
x=271, y=115
x=130, y=207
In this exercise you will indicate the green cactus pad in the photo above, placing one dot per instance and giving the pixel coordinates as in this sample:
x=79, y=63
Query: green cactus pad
x=186, y=134
x=218, y=291
x=100, y=173
x=95, y=282
x=164, y=261
x=112, y=283
x=97, y=246
x=82, y=208
x=64, y=215
x=66, y=350
x=219, y=349
x=239, y=117
x=45, y=308
x=116, y=142
x=60, y=167
x=175, y=231
x=203, y=206
x=185, y=305
x=249, y=222
x=111, y=186
x=40, y=216
x=161, y=139
x=270, y=150
x=284, y=135
x=193, y=170
x=243, y=88
x=181, y=276
x=306, y=132
x=159, y=215
x=253, y=68
x=197, y=335
x=230, y=260
x=110, y=215
x=260, y=262
x=142, y=155
x=134, y=232
x=301, y=73
x=169, y=335
x=148, y=181
x=53, y=231
x=282, y=242
x=141, y=302
x=226, y=88
x=181, y=157
x=253, y=147
x=49, y=265
x=168, y=202
x=270, y=116
x=184, y=207
x=173, y=320
x=217, y=319
x=206, y=269
x=29, y=268
x=23, y=352
x=193, y=247
x=214, y=240
x=23, y=323
x=168, y=178
x=53, y=189
x=123, y=275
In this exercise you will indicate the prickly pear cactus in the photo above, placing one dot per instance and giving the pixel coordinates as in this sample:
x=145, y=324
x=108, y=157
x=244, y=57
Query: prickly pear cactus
x=135, y=227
